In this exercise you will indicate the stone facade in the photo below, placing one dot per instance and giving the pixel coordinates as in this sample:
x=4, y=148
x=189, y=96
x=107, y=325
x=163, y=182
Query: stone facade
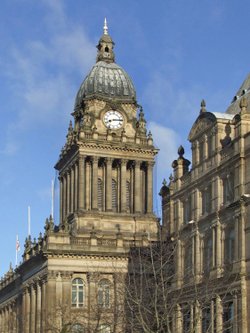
x=72, y=276
x=206, y=213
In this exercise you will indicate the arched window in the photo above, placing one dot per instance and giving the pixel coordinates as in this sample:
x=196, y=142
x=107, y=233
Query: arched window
x=100, y=194
x=128, y=196
x=78, y=293
x=114, y=196
x=77, y=328
x=104, y=293
x=104, y=328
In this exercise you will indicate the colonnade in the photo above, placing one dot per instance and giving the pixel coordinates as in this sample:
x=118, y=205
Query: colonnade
x=9, y=320
x=207, y=315
x=25, y=314
x=91, y=177
x=33, y=307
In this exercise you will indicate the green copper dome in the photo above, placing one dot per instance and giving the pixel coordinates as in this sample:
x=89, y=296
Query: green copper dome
x=106, y=80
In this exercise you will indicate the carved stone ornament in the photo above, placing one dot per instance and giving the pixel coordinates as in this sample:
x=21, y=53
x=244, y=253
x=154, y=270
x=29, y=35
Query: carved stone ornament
x=202, y=124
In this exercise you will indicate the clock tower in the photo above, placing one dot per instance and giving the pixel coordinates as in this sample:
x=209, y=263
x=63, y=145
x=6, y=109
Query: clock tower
x=74, y=276
x=106, y=166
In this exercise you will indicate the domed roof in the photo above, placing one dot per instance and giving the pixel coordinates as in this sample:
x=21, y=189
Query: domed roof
x=106, y=80
x=244, y=91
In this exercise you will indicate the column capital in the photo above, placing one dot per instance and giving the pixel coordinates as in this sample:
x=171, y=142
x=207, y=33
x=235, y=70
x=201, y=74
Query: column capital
x=108, y=160
x=124, y=161
x=150, y=163
x=94, y=159
x=137, y=163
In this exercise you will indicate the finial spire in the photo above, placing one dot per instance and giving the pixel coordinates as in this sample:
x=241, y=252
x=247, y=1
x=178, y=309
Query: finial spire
x=105, y=27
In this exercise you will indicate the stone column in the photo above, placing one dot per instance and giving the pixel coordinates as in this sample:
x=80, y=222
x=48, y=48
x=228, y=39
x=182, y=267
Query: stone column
x=14, y=315
x=43, y=306
x=149, y=195
x=61, y=199
x=198, y=325
x=197, y=152
x=213, y=247
x=33, y=310
x=7, y=318
x=94, y=178
x=219, y=313
x=27, y=311
x=23, y=317
x=64, y=197
x=68, y=192
x=72, y=181
x=236, y=246
x=197, y=255
x=137, y=192
x=38, y=308
x=205, y=147
x=218, y=246
x=123, y=186
x=76, y=186
x=81, y=185
x=1, y=321
x=108, y=188
x=178, y=319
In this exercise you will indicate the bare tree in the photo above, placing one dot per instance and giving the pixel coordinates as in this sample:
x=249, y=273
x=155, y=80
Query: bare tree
x=154, y=305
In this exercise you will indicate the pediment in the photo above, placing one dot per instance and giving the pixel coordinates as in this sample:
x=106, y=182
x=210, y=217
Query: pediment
x=202, y=124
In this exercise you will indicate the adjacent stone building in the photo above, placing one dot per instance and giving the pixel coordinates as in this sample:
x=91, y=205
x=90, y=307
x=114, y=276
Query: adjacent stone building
x=206, y=213
x=72, y=276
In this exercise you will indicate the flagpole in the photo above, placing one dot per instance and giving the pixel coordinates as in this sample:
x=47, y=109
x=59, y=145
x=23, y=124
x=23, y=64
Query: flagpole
x=52, y=198
x=28, y=220
x=17, y=248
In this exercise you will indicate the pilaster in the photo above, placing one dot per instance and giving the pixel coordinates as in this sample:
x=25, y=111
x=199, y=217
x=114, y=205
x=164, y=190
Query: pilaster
x=94, y=182
x=137, y=193
x=149, y=195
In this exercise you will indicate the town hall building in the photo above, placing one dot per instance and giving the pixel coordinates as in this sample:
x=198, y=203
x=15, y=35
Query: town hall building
x=73, y=277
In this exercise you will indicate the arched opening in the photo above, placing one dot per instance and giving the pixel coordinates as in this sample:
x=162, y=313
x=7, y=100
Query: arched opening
x=104, y=293
x=114, y=196
x=100, y=194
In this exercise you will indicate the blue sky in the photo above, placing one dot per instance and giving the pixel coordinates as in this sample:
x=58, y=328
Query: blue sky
x=176, y=52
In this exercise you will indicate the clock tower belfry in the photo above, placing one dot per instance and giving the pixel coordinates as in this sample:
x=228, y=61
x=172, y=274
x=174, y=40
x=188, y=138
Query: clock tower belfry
x=106, y=166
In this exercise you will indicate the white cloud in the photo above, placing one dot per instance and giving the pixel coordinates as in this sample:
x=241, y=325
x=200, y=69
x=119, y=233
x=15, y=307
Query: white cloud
x=167, y=140
x=172, y=103
x=42, y=74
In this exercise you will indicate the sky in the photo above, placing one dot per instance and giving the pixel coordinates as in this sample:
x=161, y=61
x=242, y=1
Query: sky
x=177, y=53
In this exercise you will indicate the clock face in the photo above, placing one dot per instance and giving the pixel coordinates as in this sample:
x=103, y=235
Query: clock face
x=113, y=119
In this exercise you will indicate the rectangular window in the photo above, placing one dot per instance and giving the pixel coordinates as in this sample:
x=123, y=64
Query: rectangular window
x=187, y=210
x=228, y=189
x=206, y=319
x=207, y=200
